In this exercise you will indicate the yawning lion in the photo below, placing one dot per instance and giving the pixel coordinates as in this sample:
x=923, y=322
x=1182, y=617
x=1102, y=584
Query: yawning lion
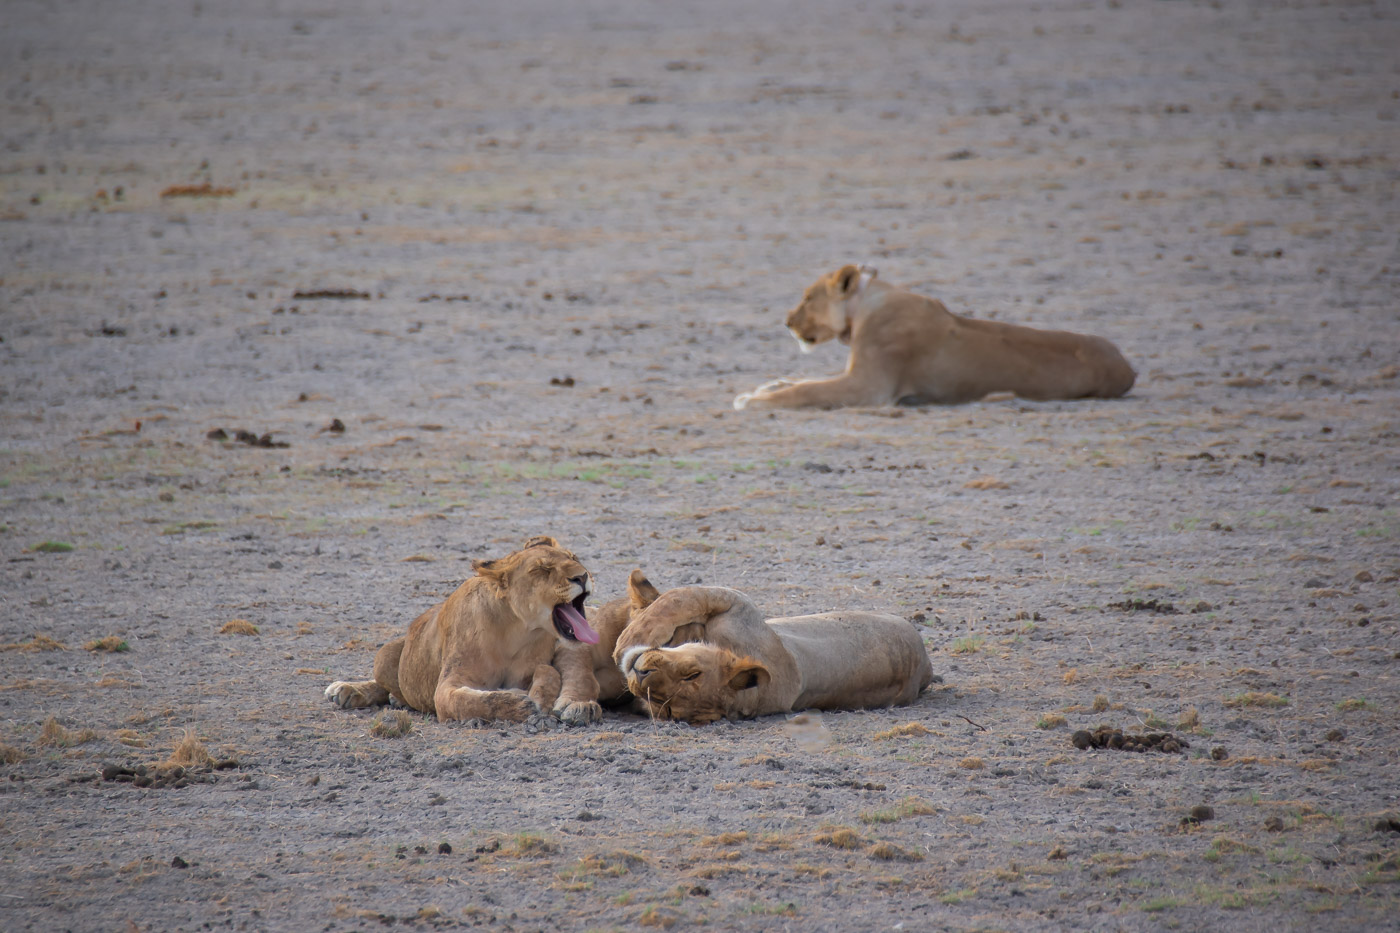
x=485, y=652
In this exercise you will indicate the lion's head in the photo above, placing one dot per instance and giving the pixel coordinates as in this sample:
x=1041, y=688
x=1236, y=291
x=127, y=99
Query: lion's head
x=821, y=315
x=694, y=682
x=545, y=586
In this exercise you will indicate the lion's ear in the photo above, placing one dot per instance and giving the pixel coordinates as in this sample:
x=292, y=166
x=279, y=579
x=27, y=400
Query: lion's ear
x=847, y=280
x=491, y=570
x=540, y=541
x=746, y=673
x=640, y=591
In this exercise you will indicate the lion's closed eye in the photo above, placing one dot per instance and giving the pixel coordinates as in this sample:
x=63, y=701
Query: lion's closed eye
x=692, y=675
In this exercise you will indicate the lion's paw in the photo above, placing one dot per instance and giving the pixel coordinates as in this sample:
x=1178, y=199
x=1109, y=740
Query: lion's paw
x=343, y=694
x=511, y=708
x=579, y=713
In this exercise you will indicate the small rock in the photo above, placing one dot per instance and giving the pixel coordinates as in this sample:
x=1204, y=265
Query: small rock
x=699, y=891
x=1335, y=735
x=178, y=862
x=444, y=849
x=816, y=467
x=336, y=426
x=225, y=764
x=1274, y=824
x=1363, y=576
x=1219, y=753
x=1388, y=824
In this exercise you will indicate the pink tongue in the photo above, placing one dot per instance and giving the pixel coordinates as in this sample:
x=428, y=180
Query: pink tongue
x=582, y=630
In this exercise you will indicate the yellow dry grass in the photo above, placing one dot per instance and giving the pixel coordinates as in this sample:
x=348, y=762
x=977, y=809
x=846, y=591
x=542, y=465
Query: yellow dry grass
x=189, y=751
x=37, y=643
x=54, y=735
x=238, y=627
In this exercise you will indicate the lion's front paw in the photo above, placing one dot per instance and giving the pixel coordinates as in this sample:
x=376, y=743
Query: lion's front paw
x=511, y=708
x=579, y=712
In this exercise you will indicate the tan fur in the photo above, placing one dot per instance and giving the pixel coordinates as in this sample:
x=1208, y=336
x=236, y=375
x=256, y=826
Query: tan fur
x=912, y=350
x=701, y=653
x=486, y=651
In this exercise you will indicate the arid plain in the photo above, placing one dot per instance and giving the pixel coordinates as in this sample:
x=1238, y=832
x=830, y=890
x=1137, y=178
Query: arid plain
x=563, y=237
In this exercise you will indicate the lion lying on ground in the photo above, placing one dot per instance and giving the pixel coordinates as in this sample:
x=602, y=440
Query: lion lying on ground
x=701, y=653
x=486, y=651
x=907, y=349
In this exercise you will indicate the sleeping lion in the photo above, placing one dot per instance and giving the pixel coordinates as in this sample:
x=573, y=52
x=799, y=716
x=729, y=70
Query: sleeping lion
x=702, y=653
x=911, y=350
x=486, y=651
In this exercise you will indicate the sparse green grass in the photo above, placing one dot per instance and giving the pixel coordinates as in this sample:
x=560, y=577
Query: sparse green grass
x=112, y=644
x=967, y=644
x=1353, y=704
x=1051, y=721
x=1158, y=904
x=958, y=896
x=906, y=808
x=532, y=845
x=52, y=547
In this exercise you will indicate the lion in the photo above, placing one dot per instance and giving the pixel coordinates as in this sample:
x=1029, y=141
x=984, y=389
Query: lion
x=702, y=653
x=911, y=350
x=486, y=651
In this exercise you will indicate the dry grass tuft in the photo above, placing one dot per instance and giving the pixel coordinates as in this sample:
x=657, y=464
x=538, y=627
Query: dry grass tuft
x=10, y=755
x=391, y=724
x=1255, y=698
x=971, y=764
x=1051, y=721
x=889, y=852
x=1100, y=703
x=112, y=644
x=238, y=627
x=189, y=751
x=1190, y=720
x=531, y=845
x=839, y=837
x=130, y=738
x=37, y=643
x=54, y=735
x=655, y=916
x=986, y=482
x=1071, y=675
x=202, y=190
x=908, y=728
x=725, y=839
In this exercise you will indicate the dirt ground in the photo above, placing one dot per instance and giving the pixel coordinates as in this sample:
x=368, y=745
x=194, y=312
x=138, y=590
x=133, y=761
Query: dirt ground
x=568, y=233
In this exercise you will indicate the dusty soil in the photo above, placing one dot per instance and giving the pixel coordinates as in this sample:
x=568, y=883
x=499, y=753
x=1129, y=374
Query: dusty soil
x=539, y=248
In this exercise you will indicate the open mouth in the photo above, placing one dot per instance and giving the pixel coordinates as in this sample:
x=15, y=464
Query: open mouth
x=569, y=621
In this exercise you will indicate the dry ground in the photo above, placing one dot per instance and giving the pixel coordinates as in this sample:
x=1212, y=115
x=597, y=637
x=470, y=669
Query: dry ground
x=629, y=196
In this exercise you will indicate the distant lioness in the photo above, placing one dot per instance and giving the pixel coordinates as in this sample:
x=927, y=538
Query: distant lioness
x=485, y=652
x=907, y=349
x=702, y=653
